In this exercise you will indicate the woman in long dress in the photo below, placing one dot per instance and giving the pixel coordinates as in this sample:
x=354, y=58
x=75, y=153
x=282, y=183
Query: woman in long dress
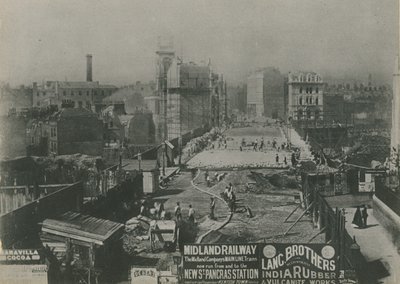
x=357, y=219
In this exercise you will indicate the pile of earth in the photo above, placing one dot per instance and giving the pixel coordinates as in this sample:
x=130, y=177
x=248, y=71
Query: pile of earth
x=263, y=182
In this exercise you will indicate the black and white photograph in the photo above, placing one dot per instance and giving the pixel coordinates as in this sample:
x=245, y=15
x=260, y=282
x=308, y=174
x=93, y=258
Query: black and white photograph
x=199, y=141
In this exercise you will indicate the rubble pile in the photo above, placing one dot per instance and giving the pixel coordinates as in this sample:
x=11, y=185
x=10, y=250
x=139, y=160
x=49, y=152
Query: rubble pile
x=136, y=231
x=283, y=181
x=263, y=182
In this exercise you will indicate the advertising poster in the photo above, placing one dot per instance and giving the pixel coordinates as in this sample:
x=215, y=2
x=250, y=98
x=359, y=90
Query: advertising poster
x=221, y=263
x=298, y=264
x=144, y=275
x=22, y=266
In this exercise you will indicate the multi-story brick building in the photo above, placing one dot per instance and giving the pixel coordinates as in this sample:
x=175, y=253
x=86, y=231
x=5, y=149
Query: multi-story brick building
x=76, y=94
x=305, y=96
x=82, y=94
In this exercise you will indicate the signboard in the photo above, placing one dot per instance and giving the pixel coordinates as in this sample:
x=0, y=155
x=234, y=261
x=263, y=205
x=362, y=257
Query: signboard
x=19, y=256
x=217, y=262
x=298, y=263
x=21, y=274
x=260, y=263
x=144, y=275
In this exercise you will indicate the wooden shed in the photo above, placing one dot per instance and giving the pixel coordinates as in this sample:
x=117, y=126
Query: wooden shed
x=88, y=245
x=150, y=171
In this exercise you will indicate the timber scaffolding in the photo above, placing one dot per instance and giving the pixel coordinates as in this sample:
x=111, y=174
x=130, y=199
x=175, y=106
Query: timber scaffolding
x=331, y=222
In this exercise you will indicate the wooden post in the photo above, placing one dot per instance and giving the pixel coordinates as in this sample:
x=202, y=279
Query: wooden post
x=327, y=224
x=314, y=209
x=298, y=219
x=320, y=213
x=342, y=241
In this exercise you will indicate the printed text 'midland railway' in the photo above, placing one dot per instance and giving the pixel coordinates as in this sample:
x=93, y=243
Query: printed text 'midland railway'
x=220, y=250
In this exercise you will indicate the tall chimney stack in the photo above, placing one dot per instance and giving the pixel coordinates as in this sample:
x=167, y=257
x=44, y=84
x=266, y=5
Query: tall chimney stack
x=89, y=68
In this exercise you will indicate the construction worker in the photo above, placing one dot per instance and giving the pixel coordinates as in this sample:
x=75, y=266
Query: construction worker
x=142, y=209
x=191, y=214
x=212, y=208
x=208, y=179
x=178, y=212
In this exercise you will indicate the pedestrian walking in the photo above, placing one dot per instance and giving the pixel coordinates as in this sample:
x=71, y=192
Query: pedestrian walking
x=277, y=158
x=364, y=215
x=357, y=219
x=191, y=214
x=208, y=181
x=178, y=212
x=212, y=208
x=285, y=160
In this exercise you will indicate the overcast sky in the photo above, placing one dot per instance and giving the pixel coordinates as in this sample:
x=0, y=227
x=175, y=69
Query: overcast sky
x=48, y=39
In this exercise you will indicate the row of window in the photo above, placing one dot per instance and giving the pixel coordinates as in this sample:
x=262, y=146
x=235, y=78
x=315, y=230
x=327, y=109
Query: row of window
x=80, y=93
x=309, y=90
x=308, y=114
x=71, y=103
x=310, y=78
x=72, y=93
x=308, y=101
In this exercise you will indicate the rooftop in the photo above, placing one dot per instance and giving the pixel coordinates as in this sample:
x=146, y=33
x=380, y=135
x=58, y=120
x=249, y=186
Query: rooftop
x=145, y=165
x=82, y=227
x=76, y=85
x=72, y=112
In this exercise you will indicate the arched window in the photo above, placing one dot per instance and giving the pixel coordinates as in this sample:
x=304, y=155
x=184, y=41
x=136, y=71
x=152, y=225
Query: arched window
x=316, y=100
x=310, y=90
x=300, y=101
x=316, y=90
x=301, y=90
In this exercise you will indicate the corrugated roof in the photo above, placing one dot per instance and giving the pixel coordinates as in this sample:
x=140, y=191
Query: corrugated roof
x=82, y=227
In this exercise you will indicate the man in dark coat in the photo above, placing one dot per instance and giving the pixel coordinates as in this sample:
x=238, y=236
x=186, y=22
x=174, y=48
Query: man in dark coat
x=364, y=215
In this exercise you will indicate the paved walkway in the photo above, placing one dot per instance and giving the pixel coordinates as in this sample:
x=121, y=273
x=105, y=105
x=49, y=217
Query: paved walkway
x=377, y=248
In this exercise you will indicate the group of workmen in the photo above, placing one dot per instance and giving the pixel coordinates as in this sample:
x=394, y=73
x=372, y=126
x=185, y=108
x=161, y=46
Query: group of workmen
x=178, y=213
x=260, y=146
